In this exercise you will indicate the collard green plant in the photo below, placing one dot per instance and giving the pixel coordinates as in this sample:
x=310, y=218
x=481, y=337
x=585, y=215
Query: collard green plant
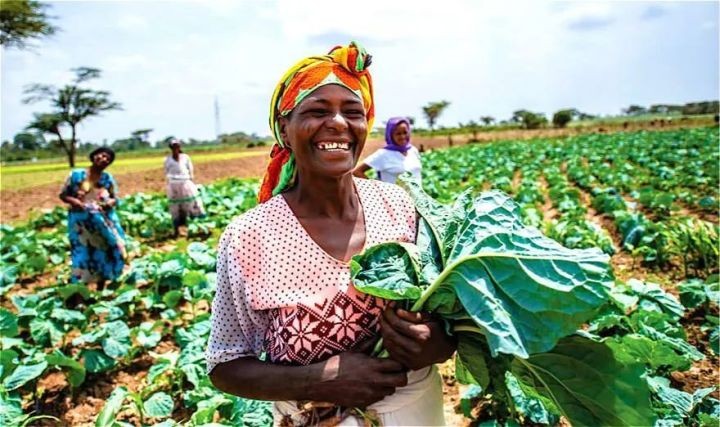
x=514, y=297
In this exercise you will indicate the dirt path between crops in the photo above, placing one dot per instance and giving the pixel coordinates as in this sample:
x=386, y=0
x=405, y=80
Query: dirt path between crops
x=16, y=205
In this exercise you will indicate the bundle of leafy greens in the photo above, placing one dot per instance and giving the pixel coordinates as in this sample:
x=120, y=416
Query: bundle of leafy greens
x=515, y=299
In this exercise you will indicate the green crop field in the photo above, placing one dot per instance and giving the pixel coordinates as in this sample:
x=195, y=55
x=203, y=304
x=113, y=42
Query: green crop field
x=649, y=200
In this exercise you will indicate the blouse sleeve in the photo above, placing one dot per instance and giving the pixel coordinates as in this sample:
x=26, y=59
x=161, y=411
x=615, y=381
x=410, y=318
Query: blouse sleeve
x=376, y=160
x=67, y=187
x=237, y=330
x=111, y=186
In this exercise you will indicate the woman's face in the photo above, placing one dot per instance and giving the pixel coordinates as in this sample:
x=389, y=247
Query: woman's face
x=101, y=160
x=326, y=132
x=401, y=134
x=175, y=148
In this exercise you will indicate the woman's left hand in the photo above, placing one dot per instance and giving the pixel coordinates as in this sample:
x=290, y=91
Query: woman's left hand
x=415, y=339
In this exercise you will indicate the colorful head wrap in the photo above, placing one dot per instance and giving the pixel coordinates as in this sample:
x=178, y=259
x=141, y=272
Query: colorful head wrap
x=345, y=66
x=390, y=128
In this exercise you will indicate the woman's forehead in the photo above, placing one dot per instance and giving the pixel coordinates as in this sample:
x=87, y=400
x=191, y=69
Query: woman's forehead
x=332, y=93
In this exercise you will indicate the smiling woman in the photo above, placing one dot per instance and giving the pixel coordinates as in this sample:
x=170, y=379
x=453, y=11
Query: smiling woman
x=283, y=275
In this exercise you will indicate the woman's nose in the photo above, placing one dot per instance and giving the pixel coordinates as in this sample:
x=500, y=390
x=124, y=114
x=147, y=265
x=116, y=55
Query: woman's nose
x=337, y=121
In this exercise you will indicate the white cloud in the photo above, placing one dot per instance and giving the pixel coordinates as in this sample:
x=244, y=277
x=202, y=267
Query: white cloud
x=132, y=23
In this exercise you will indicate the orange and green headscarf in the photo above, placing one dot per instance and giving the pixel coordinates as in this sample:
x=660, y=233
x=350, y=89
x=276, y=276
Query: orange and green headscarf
x=345, y=66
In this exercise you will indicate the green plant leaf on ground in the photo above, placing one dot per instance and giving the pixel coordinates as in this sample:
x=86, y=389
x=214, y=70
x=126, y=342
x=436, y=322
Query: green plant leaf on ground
x=158, y=405
x=24, y=374
x=113, y=404
x=587, y=384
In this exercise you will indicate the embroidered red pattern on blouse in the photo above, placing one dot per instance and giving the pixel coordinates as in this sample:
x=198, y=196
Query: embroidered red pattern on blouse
x=306, y=334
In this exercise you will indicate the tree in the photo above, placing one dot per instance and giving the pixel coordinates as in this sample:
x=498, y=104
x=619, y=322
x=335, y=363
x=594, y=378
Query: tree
x=487, y=120
x=528, y=119
x=23, y=20
x=563, y=117
x=432, y=111
x=142, y=135
x=71, y=104
x=27, y=141
x=634, y=110
x=474, y=128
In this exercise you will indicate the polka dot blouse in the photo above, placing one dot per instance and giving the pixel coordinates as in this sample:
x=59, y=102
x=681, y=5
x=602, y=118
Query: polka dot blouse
x=280, y=293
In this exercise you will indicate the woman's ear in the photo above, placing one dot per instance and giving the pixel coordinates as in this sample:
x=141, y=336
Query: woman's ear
x=283, y=123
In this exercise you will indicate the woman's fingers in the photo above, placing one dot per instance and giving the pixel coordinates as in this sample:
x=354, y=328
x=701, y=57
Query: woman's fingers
x=419, y=332
x=397, y=342
x=413, y=316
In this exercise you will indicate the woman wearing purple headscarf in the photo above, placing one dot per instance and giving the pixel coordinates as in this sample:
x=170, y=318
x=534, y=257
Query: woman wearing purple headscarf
x=396, y=157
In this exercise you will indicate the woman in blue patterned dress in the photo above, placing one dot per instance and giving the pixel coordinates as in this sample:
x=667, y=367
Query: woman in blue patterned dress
x=97, y=241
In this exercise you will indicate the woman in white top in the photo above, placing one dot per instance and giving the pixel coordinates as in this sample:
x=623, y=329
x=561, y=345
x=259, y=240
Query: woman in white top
x=183, y=197
x=396, y=157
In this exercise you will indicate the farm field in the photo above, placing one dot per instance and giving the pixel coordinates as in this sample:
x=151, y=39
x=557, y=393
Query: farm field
x=31, y=186
x=32, y=175
x=133, y=354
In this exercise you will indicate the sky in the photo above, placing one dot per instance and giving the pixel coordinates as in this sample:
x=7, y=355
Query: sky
x=167, y=61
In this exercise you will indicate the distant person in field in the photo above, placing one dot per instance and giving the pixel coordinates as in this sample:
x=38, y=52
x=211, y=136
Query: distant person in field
x=97, y=241
x=283, y=274
x=396, y=157
x=183, y=197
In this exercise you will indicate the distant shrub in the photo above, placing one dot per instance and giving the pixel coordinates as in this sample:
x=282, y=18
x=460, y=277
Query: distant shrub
x=562, y=118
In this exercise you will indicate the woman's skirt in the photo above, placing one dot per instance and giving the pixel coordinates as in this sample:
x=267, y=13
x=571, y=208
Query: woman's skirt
x=184, y=201
x=97, y=245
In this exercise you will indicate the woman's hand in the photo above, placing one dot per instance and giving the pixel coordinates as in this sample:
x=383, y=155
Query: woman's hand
x=415, y=339
x=356, y=380
x=109, y=203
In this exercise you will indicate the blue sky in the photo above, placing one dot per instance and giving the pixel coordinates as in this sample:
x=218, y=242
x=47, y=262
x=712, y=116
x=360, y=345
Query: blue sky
x=165, y=61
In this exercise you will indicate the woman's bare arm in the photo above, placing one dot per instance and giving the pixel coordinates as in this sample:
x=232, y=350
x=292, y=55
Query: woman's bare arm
x=360, y=170
x=72, y=201
x=351, y=379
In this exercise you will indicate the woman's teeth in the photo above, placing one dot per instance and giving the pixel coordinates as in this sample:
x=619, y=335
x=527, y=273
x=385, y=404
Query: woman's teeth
x=333, y=146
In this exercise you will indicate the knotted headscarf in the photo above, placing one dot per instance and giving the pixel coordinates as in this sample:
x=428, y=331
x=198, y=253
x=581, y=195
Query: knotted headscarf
x=392, y=123
x=345, y=66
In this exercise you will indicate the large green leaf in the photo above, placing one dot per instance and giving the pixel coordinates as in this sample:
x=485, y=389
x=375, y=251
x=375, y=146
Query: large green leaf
x=46, y=331
x=470, y=364
x=65, y=316
x=531, y=408
x=146, y=336
x=8, y=362
x=69, y=290
x=11, y=411
x=75, y=370
x=113, y=404
x=653, y=297
x=587, y=384
x=387, y=271
x=172, y=298
x=158, y=405
x=654, y=354
x=24, y=374
x=8, y=323
x=96, y=361
x=526, y=303
x=442, y=220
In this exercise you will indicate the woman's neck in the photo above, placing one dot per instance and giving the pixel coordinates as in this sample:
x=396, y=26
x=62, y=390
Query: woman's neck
x=328, y=197
x=94, y=173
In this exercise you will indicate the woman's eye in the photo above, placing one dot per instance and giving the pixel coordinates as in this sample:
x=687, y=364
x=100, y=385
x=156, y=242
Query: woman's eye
x=317, y=112
x=355, y=113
